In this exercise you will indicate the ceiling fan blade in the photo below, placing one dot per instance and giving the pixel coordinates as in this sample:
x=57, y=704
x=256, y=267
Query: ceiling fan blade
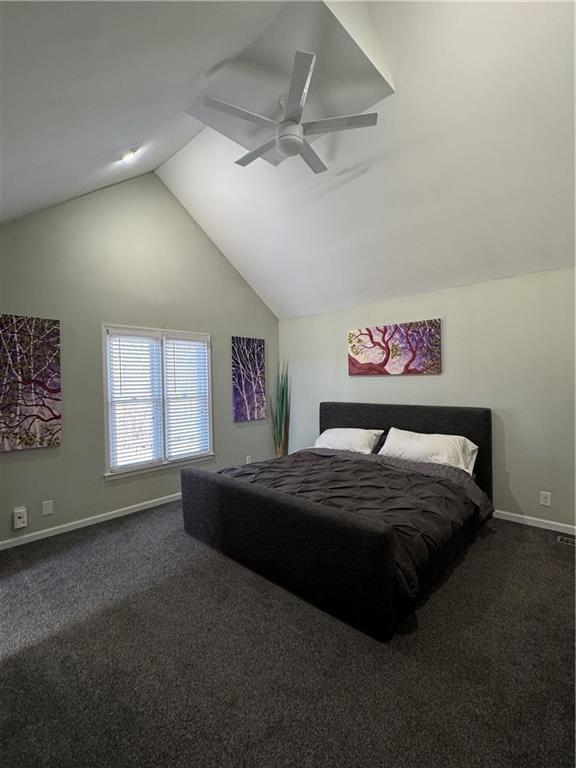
x=311, y=159
x=256, y=153
x=299, y=85
x=331, y=124
x=243, y=114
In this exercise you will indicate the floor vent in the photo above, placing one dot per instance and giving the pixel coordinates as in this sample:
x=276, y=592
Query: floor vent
x=566, y=540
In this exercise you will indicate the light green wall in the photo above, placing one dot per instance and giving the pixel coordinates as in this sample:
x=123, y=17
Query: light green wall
x=507, y=344
x=128, y=254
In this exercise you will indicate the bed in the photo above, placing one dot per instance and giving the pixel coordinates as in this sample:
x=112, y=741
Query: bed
x=362, y=537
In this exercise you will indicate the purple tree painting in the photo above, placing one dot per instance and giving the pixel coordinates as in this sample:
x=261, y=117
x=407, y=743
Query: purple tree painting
x=399, y=349
x=248, y=379
x=30, y=415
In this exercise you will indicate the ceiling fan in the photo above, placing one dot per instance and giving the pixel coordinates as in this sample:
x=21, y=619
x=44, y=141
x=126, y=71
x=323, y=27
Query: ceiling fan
x=290, y=133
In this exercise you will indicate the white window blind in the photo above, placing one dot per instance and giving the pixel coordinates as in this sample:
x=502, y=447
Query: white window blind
x=158, y=397
x=134, y=400
x=187, y=398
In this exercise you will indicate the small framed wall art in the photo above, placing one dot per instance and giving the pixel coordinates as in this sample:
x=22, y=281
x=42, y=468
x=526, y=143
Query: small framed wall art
x=30, y=394
x=248, y=379
x=400, y=349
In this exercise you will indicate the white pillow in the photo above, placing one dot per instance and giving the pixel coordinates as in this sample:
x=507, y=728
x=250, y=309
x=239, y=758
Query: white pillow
x=359, y=440
x=437, y=449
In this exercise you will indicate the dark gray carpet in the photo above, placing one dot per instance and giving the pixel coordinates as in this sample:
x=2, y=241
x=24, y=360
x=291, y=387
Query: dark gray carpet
x=130, y=644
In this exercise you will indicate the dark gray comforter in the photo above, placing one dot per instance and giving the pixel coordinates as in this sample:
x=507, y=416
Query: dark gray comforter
x=427, y=505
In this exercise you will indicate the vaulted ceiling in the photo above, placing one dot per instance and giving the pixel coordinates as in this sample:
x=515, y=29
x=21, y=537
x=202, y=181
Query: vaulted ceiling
x=80, y=83
x=468, y=175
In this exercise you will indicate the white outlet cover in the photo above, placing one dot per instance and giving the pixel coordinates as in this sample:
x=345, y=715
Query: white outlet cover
x=19, y=517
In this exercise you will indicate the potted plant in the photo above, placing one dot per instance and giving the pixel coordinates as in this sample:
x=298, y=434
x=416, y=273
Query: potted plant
x=280, y=411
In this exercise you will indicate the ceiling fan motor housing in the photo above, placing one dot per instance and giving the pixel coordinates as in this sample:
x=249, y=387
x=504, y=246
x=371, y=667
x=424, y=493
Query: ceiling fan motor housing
x=289, y=138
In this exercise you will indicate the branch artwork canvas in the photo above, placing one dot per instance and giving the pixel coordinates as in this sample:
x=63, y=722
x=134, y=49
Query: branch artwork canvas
x=30, y=396
x=248, y=379
x=402, y=349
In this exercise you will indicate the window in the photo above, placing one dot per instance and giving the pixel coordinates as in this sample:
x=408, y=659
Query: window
x=158, y=398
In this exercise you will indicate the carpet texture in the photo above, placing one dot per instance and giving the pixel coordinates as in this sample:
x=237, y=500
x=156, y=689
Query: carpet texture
x=129, y=644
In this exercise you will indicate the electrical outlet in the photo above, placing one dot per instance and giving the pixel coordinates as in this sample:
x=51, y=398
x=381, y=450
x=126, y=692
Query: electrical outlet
x=249, y=459
x=47, y=507
x=545, y=499
x=19, y=517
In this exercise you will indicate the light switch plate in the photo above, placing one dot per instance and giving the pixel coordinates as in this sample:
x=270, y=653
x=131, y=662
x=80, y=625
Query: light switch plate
x=545, y=499
x=47, y=507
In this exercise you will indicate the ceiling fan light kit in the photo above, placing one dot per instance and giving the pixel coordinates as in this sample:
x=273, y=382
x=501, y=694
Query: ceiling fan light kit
x=290, y=133
x=289, y=138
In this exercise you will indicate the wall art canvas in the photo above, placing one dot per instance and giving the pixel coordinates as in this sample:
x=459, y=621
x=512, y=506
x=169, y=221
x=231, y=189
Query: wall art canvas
x=30, y=412
x=398, y=350
x=248, y=378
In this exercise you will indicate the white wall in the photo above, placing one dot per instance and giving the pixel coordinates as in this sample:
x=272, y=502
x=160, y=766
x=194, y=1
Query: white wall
x=507, y=344
x=128, y=254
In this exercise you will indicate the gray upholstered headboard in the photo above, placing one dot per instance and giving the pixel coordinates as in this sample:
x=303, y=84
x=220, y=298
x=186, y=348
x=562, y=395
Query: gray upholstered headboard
x=473, y=423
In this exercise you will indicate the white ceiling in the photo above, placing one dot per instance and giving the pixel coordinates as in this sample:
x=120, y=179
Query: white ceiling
x=82, y=82
x=346, y=81
x=467, y=177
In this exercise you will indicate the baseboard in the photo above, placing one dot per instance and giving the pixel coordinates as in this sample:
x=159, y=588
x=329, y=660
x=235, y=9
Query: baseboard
x=513, y=517
x=47, y=532
x=536, y=522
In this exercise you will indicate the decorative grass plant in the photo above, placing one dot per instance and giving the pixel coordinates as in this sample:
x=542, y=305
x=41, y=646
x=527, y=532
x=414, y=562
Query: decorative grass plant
x=280, y=411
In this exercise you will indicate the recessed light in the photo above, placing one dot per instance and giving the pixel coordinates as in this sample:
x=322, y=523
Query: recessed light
x=129, y=156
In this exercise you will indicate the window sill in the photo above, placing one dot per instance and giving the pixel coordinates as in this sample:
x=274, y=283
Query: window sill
x=156, y=467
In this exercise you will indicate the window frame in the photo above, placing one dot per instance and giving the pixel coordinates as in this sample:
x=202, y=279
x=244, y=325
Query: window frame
x=162, y=334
